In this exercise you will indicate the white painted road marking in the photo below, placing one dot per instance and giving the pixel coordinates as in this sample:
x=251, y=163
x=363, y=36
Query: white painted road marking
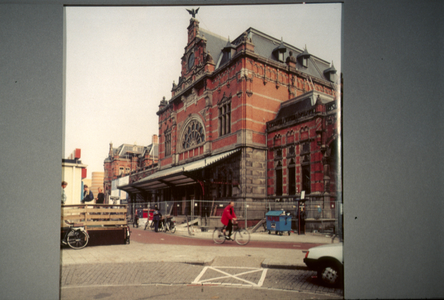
x=216, y=280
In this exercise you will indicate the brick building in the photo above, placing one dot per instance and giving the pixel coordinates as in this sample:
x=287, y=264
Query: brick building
x=249, y=119
x=129, y=159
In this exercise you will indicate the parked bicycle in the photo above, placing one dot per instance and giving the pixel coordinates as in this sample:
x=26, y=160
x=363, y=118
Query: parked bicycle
x=241, y=235
x=76, y=237
x=149, y=224
x=168, y=225
x=164, y=225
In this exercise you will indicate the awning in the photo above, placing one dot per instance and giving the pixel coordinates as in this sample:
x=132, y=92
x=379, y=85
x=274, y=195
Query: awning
x=175, y=176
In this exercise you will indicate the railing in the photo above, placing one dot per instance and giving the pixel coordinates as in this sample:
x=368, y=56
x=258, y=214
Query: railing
x=320, y=216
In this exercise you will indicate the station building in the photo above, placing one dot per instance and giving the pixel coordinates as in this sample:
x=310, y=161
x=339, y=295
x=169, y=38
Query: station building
x=248, y=120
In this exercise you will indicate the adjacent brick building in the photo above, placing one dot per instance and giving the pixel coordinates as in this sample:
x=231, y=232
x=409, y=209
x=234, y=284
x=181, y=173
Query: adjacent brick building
x=129, y=159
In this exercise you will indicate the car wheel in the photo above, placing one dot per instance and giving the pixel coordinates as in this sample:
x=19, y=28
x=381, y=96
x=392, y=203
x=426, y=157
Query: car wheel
x=330, y=274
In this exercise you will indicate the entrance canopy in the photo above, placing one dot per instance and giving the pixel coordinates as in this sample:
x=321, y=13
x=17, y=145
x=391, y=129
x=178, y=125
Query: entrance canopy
x=175, y=176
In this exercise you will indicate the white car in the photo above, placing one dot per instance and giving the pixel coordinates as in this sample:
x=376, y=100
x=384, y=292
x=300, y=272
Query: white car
x=328, y=261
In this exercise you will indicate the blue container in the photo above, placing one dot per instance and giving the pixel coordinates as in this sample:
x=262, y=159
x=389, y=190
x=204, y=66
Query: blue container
x=278, y=222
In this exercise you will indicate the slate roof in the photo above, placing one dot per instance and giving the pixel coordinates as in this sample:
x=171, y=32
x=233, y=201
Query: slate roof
x=302, y=103
x=297, y=106
x=125, y=149
x=264, y=46
x=215, y=43
x=152, y=150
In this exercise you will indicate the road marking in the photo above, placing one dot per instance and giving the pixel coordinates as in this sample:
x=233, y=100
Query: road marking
x=217, y=280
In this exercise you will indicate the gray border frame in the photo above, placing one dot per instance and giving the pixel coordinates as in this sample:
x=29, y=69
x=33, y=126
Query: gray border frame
x=392, y=136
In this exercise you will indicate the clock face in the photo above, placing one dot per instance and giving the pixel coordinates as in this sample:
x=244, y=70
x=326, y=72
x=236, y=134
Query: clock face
x=190, y=61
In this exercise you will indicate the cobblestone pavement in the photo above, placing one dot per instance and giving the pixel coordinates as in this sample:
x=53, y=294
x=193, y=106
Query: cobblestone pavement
x=170, y=273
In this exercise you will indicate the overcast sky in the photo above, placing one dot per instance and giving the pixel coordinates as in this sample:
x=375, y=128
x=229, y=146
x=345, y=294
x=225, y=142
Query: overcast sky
x=121, y=61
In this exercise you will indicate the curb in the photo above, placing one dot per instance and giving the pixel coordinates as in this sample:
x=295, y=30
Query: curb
x=200, y=263
x=270, y=265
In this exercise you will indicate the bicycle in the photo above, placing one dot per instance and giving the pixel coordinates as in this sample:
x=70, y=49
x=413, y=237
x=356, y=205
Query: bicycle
x=168, y=225
x=241, y=235
x=149, y=224
x=76, y=237
x=164, y=226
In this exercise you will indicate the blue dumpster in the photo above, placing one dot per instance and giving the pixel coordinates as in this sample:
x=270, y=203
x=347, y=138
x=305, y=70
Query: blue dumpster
x=278, y=222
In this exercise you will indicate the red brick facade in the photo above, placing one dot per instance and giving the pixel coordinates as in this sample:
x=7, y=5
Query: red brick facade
x=308, y=141
x=229, y=102
x=129, y=159
x=272, y=106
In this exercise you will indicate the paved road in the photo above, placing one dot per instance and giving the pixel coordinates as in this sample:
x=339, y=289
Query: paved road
x=166, y=266
x=96, y=278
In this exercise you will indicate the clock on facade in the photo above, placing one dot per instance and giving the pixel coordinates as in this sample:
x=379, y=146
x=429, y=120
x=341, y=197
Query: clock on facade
x=190, y=61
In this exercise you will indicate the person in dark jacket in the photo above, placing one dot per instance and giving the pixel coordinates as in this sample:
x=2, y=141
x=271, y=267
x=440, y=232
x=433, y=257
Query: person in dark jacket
x=88, y=196
x=303, y=216
x=156, y=218
x=100, y=197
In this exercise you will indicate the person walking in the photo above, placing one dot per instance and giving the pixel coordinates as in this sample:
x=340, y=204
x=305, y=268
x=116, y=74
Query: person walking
x=156, y=218
x=64, y=197
x=228, y=217
x=303, y=216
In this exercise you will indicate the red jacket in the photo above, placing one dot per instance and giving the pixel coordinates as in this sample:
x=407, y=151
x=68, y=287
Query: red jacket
x=227, y=215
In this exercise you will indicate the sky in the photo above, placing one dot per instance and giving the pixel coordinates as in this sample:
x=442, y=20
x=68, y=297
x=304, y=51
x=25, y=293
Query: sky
x=121, y=62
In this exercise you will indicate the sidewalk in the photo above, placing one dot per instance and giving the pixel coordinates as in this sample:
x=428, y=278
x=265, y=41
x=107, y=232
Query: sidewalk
x=212, y=254
x=262, y=236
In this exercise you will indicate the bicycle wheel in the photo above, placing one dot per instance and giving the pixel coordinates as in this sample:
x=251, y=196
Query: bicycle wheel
x=173, y=229
x=218, y=236
x=77, y=239
x=242, y=237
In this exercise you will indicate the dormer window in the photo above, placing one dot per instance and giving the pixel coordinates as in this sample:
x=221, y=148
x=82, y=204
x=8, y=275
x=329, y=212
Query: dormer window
x=330, y=73
x=226, y=56
x=227, y=52
x=303, y=58
x=279, y=52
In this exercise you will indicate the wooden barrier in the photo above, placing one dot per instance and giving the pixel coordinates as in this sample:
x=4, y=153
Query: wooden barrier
x=94, y=216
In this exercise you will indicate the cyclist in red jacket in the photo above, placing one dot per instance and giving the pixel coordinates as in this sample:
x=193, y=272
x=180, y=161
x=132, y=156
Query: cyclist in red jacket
x=228, y=217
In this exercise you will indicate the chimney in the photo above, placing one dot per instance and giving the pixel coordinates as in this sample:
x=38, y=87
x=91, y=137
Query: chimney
x=155, y=139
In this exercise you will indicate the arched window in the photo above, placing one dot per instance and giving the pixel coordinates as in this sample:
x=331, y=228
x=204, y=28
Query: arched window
x=167, y=143
x=193, y=135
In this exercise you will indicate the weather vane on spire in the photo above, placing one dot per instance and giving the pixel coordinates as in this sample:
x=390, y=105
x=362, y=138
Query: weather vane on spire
x=193, y=11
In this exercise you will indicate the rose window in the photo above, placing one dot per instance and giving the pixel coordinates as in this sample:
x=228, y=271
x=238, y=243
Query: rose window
x=193, y=135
